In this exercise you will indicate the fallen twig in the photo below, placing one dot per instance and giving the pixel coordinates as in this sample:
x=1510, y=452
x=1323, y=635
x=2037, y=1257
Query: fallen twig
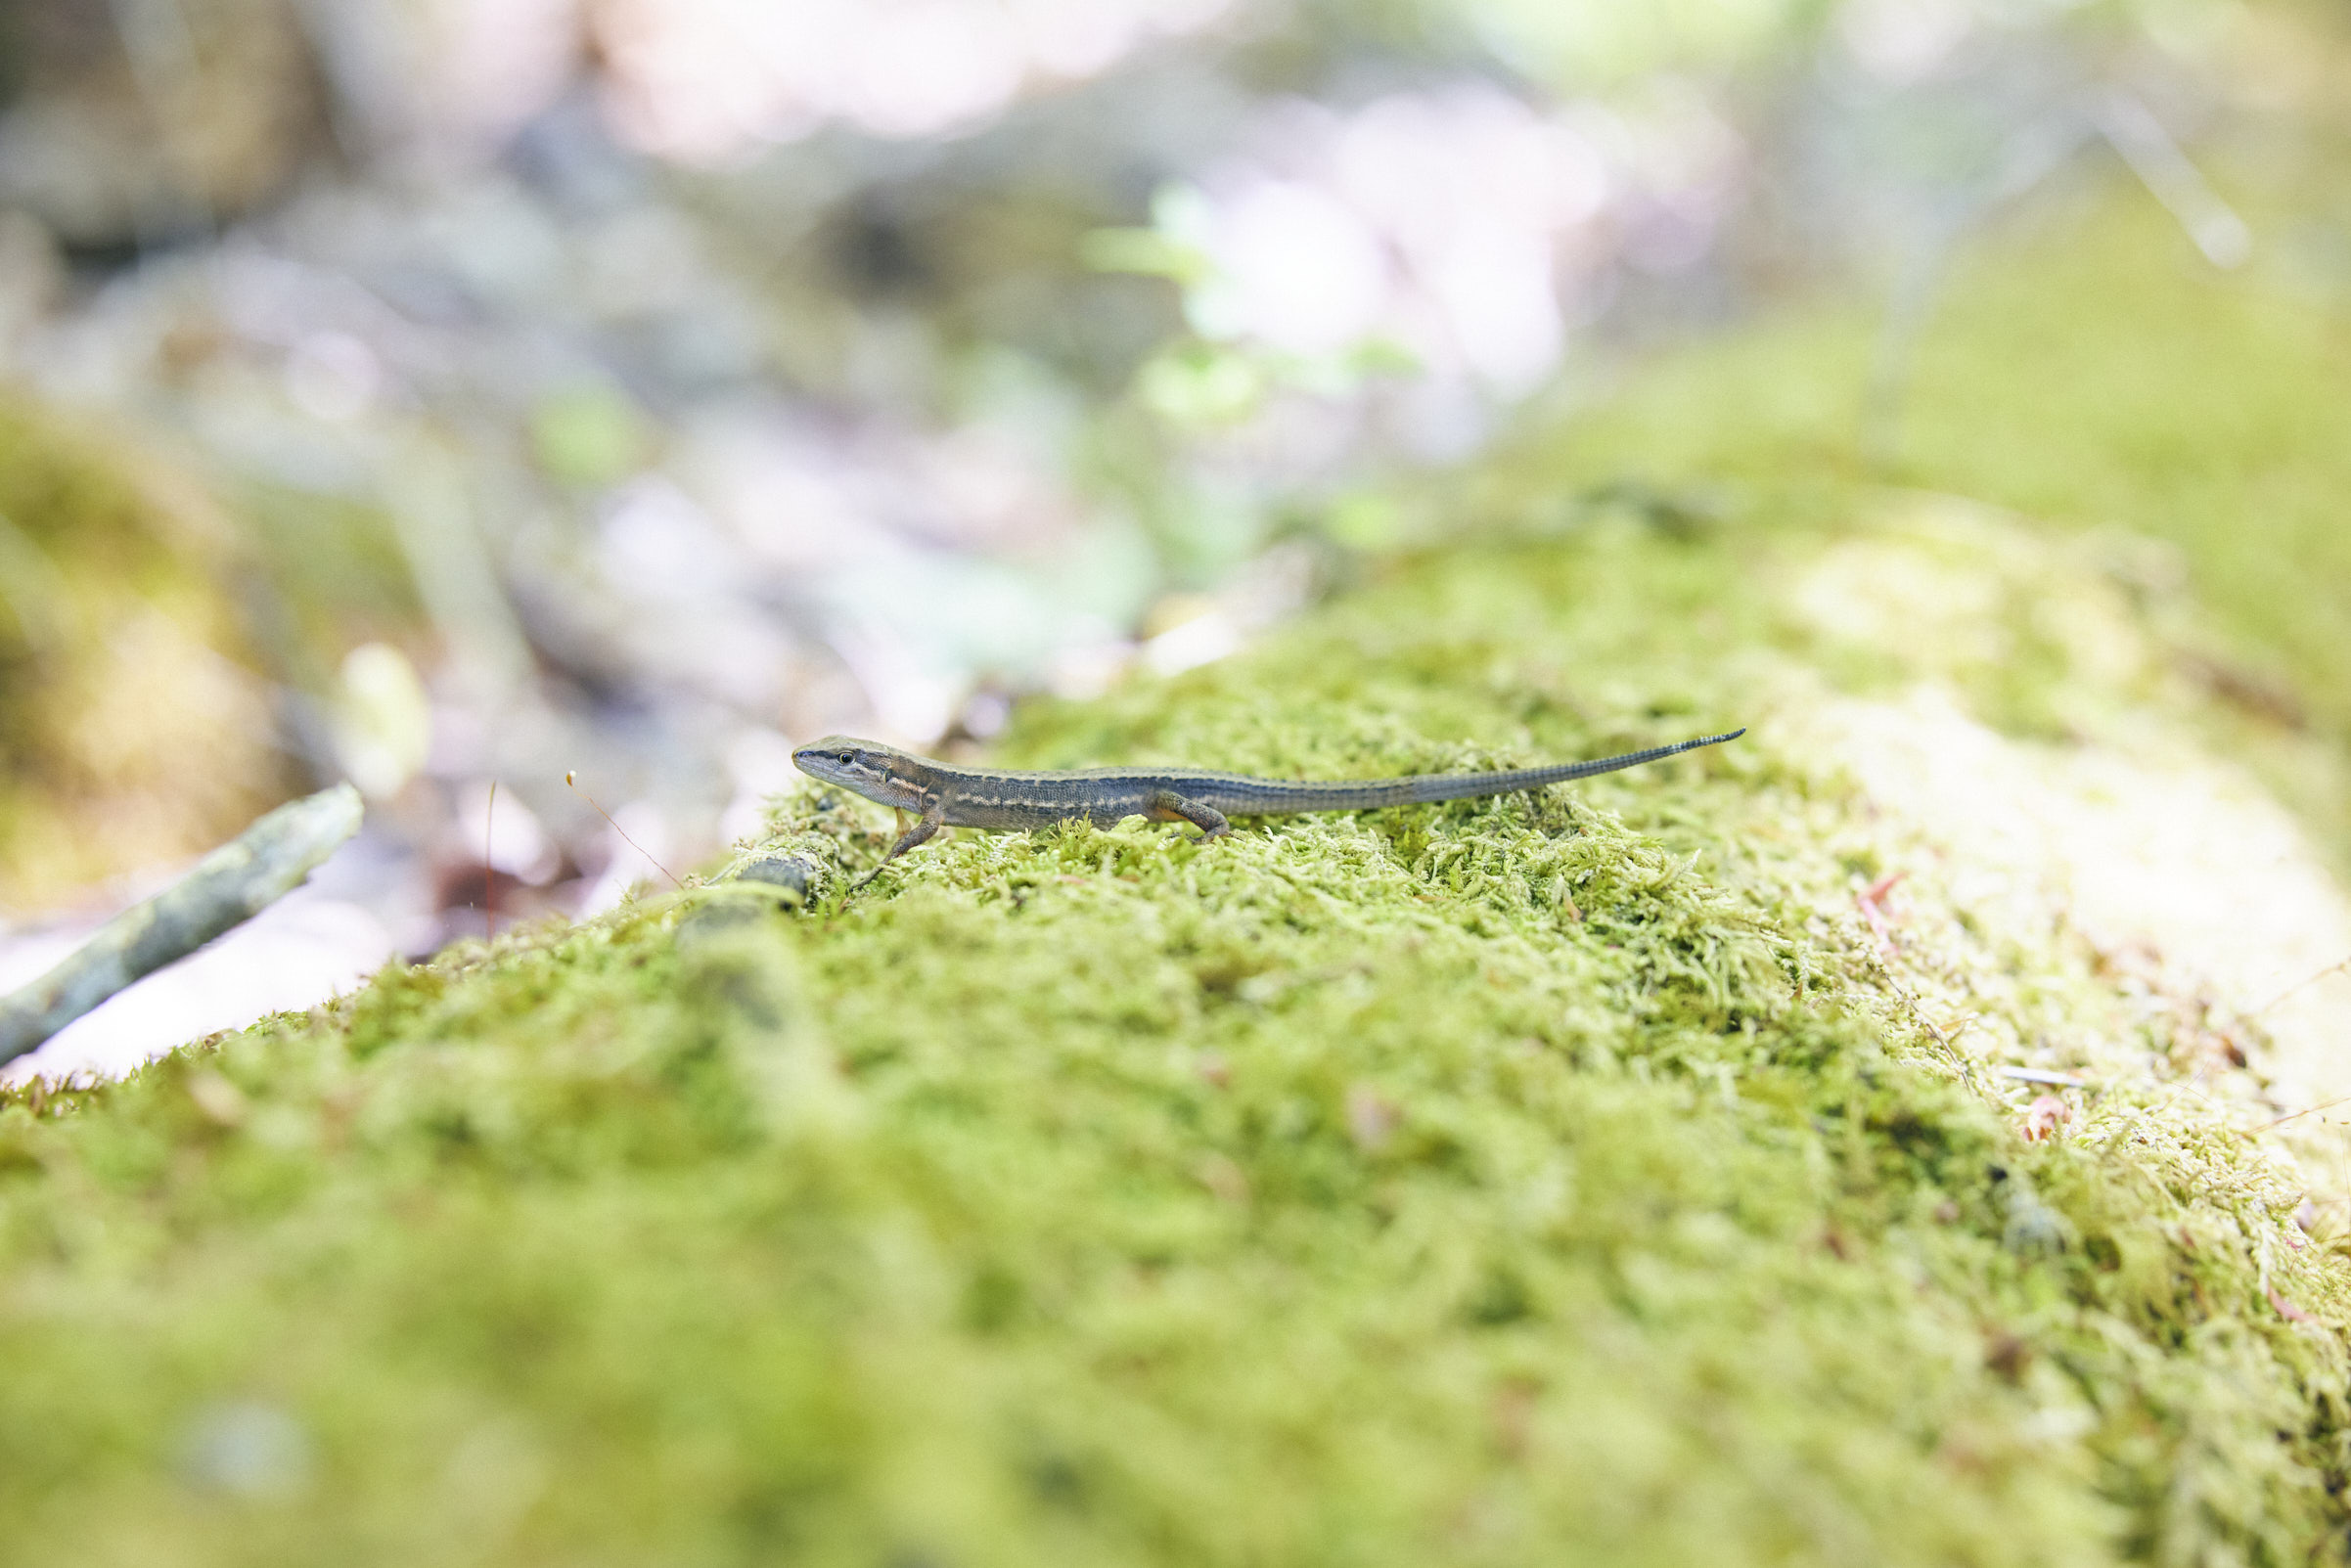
x=228, y=887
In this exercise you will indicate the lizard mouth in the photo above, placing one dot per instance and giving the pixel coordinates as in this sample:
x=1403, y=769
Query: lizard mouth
x=840, y=760
x=820, y=763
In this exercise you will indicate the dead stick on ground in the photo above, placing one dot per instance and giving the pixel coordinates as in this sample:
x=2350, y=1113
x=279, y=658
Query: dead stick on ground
x=228, y=887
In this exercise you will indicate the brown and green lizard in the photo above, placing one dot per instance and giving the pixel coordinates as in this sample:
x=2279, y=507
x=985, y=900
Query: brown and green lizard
x=946, y=795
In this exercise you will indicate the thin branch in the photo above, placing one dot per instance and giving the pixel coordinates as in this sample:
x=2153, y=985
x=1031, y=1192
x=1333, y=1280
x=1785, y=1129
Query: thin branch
x=228, y=887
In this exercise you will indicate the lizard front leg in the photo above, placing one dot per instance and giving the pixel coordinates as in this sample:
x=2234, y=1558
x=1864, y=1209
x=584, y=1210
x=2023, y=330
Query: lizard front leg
x=934, y=815
x=1165, y=805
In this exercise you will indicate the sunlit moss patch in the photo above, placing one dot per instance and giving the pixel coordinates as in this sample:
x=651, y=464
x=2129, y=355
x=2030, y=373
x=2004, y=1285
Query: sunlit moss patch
x=1859, y=1143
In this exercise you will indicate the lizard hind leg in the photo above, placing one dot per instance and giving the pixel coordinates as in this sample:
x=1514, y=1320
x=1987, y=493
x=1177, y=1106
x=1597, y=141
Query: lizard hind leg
x=918, y=834
x=1165, y=805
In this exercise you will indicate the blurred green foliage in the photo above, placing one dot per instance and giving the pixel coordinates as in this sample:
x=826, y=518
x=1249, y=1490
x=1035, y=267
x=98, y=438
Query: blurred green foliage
x=129, y=733
x=588, y=436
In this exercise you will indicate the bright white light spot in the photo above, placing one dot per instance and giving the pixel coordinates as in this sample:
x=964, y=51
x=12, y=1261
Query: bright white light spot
x=1075, y=38
x=332, y=376
x=706, y=81
x=1495, y=284
x=1904, y=41
x=1203, y=639
x=655, y=540
x=1304, y=271
x=505, y=834
x=927, y=68
x=1463, y=225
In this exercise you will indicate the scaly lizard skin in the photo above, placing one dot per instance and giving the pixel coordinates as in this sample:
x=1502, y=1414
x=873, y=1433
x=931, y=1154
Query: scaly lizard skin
x=945, y=796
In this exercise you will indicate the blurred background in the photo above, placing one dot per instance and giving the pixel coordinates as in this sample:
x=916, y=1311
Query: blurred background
x=455, y=393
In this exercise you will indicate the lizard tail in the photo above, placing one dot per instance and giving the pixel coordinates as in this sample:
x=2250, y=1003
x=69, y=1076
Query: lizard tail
x=1464, y=785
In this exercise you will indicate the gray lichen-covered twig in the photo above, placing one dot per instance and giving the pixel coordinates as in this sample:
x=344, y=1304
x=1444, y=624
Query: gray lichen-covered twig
x=227, y=887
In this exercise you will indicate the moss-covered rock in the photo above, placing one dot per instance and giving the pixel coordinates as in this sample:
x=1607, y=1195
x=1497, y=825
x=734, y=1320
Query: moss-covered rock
x=1567, y=1177
x=1835, y=1146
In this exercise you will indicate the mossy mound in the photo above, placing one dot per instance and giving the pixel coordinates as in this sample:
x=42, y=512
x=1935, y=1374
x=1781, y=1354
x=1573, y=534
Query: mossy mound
x=1559, y=1179
x=2103, y=378
x=1635, y=1173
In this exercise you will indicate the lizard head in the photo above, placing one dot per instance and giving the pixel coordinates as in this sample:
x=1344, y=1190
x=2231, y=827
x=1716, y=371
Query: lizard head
x=865, y=767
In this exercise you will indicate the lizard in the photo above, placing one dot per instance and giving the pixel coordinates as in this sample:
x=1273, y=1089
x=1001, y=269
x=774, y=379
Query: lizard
x=945, y=795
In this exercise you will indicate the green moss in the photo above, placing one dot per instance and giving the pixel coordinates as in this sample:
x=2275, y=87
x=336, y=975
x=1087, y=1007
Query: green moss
x=1557, y=1177
x=1570, y=1177
x=2095, y=377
